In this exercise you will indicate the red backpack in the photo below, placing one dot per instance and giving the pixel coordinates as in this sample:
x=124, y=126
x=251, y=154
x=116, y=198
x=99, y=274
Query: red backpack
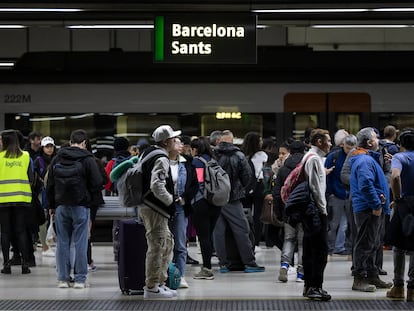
x=295, y=177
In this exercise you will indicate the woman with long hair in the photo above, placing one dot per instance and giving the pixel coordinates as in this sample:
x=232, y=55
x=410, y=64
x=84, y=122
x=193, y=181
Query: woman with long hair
x=205, y=215
x=252, y=148
x=15, y=196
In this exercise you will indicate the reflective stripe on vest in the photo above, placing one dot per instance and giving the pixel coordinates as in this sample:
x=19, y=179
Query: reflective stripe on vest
x=14, y=181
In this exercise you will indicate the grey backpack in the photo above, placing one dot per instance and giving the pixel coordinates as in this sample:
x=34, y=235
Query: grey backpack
x=129, y=184
x=216, y=183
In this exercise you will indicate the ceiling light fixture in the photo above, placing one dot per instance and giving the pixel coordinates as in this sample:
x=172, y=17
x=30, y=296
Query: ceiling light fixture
x=144, y=26
x=6, y=64
x=330, y=10
x=12, y=26
x=42, y=119
x=310, y=10
x=394, y=10
x=362, y=26
x=38, y=10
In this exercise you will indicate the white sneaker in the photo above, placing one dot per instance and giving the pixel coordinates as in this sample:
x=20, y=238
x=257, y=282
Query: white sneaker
x=48, y=253
x=156, y=293
x=63, y=284
x=167, y=289
x=183, y=283
x=79, y=285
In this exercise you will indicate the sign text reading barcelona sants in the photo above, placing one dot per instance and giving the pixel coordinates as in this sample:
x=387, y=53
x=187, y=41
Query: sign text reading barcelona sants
x=205, y=39
x=201, y=47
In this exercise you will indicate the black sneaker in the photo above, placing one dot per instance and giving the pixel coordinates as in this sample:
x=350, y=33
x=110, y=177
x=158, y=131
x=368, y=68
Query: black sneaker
x=191, y=261
x=318, y=294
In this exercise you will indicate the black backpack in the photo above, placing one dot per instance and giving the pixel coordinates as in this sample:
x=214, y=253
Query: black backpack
x=70, y=183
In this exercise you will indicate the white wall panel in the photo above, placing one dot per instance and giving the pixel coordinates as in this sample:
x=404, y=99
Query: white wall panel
x=187, y=97
x=91, y=40
x=48, y=39
x=352, y=39
x=134, y=40
x=271, y=36
x=13, y=42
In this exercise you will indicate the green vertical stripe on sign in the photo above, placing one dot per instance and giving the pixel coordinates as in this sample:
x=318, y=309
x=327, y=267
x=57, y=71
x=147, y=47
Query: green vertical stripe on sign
x=159, y=38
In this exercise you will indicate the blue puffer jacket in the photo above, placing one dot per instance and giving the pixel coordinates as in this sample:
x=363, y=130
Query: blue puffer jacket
x=368, y=183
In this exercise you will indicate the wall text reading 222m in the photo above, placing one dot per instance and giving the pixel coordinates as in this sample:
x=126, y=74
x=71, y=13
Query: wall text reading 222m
x=17, y=98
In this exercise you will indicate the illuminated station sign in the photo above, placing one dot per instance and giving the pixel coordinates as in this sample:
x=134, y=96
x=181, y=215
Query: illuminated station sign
x=205, y=38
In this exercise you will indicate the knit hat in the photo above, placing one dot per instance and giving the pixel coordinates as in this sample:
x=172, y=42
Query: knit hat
x=121, y=143
x=297, y=147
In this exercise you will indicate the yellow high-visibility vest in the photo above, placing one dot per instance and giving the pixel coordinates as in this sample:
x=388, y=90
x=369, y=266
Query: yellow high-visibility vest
x=14, y=181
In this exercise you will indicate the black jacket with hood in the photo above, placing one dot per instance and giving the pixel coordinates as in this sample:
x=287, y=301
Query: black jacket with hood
x=234, y=162
x=91, y=179
x=290, y=163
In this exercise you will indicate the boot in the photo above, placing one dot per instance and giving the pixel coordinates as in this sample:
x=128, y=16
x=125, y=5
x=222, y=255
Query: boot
x=396, y=292
x=361, y=284
x=6, y=268
x=25, y=268
x=410, y=294
x=379, y=283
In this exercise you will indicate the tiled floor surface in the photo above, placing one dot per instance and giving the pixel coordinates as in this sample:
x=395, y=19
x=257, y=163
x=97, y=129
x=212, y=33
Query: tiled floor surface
x=41, y=283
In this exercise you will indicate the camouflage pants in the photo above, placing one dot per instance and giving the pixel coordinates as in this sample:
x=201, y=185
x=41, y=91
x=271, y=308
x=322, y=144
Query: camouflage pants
x=160, y=246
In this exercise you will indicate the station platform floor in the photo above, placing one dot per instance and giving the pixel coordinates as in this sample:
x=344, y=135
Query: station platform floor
x=229, y=291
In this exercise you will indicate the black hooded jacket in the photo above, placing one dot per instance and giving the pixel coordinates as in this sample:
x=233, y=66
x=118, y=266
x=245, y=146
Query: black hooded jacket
x=234, y=162
x=290, y=163
x=90, y=178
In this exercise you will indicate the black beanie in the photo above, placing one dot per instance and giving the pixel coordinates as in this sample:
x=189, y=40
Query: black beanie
x=297, y=147
x=121, y=143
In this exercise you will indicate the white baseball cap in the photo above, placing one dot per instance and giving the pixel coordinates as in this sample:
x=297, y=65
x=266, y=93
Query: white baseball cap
x=47, y=141
x=163, y=132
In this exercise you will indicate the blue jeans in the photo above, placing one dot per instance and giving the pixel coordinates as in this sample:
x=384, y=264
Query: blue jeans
x=179, y=230
x=72, y=226
x=338, y=224
x=293, y=238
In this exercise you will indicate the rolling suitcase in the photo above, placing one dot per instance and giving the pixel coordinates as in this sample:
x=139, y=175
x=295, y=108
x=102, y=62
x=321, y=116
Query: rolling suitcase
x=131, y=257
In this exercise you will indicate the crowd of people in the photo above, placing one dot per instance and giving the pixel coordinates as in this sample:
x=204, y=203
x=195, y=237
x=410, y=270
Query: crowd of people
x=347, y=203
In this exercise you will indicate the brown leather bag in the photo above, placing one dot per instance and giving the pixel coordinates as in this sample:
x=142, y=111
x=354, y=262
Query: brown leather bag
x=268, y=215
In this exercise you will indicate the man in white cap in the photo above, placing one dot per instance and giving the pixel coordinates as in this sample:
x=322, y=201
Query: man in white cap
x=155, y=212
